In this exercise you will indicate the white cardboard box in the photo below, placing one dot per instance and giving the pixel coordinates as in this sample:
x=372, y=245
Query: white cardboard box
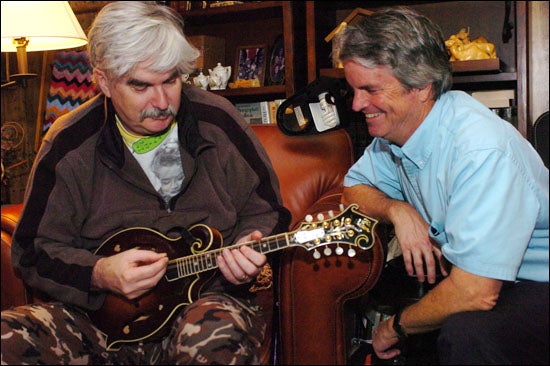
x=495, y=98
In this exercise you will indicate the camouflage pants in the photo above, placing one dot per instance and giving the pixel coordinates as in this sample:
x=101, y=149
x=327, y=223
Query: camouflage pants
x=216, y=329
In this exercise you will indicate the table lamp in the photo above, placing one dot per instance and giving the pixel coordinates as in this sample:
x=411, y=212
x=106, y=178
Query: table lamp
x=38, y=26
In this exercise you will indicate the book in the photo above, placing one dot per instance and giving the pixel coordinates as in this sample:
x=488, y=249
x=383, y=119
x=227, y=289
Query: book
x=273, y=106
x=264, y=107
x=264, y=112
x=495, y=98
x=251, y=112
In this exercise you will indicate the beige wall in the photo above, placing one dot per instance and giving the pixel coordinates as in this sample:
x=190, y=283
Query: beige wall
x=537, y=14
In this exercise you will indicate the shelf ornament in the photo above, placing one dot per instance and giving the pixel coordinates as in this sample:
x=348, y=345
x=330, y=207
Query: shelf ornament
x=461, y=48
x=355, y=17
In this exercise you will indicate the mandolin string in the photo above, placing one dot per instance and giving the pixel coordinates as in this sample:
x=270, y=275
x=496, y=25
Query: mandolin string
x=190, y=264
x=188, y=260
x=206, y=261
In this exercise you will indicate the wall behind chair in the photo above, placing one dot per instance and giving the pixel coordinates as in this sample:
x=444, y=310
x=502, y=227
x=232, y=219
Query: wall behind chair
x=538, y=60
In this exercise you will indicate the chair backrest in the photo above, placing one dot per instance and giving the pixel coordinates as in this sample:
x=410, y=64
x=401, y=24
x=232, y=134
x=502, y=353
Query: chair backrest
x=540, y=137
x=309, y=167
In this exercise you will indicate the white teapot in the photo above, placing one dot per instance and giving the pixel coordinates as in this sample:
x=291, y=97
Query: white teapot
x=201, y=81
x=219, y=76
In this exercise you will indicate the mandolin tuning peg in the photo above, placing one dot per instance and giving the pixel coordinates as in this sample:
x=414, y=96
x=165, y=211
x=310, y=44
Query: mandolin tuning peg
x=339, y=250
x=309, y=218
x=331, y=213
x=351, y=252
x=341, y=207
x=320, y=217
x=316, y=254
x=327, y=251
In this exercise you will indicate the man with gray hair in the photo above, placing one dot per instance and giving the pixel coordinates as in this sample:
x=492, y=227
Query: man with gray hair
x=97, y=178
x=464, y=191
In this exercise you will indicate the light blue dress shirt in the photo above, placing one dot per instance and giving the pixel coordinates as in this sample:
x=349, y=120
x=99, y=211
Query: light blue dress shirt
x=478, y=183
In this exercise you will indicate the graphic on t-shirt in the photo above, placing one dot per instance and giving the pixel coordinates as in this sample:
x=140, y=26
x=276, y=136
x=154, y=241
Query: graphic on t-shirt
x=167, y=167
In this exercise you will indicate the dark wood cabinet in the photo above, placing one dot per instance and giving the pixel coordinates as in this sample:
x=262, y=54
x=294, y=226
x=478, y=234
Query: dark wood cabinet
x=482, y=18
x=256, y=23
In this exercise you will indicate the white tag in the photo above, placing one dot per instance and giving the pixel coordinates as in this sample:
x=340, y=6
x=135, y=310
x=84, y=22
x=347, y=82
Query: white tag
x=324, y=114
x=299, y=116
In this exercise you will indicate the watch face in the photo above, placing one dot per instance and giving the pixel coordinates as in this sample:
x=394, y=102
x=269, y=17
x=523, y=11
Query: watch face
x=397, y=325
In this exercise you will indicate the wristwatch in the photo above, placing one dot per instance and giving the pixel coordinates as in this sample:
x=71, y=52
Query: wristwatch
x=397, y=325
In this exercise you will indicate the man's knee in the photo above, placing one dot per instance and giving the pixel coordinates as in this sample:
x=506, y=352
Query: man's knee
x=217, y=329
x=33, y=334
x=467, y=338
x=23, y=335
x=462, y=328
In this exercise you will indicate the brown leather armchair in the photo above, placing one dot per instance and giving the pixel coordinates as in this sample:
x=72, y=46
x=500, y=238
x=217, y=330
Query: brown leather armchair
x=311, y=292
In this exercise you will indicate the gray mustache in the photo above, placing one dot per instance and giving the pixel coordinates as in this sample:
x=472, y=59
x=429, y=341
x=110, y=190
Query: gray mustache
x=155, y=113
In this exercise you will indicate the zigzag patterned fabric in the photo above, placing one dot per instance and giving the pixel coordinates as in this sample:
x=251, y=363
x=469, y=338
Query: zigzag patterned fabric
x=71, y=85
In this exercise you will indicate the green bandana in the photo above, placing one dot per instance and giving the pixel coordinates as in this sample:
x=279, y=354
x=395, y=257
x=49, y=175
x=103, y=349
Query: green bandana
x=146, y=144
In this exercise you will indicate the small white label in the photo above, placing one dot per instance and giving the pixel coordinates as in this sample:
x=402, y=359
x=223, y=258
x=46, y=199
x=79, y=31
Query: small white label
x=325, y=115
x=309, y=235
x=299, y=116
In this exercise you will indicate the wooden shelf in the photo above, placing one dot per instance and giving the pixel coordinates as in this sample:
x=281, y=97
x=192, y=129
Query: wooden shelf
x=262, y=90
x=485, y=78
x=333, y=73
x=488, y=65
x=233, y=14
x=251, y=23
x=457, y=79
x=232, y=9
x=509, y=71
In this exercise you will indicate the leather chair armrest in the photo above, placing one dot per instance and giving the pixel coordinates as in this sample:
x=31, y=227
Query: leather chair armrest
x=12, y=290
x=10, y=216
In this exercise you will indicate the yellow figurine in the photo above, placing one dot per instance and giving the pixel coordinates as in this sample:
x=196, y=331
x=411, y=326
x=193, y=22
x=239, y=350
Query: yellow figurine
x=462, y=49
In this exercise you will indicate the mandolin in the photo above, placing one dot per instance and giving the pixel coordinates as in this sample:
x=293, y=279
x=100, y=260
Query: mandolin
x=192, y=259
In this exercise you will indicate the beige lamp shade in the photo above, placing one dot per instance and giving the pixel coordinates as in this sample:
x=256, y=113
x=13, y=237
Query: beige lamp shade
x=46, y=25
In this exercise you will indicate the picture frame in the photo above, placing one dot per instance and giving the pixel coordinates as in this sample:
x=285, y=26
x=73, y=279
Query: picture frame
x=276, y=69
x=251, y=63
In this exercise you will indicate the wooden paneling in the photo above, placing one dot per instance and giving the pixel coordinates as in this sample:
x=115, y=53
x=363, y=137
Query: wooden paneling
x=25, y=106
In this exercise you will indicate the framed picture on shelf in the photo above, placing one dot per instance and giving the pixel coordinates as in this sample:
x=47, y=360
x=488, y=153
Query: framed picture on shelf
x=251, y=63
x=276, y=75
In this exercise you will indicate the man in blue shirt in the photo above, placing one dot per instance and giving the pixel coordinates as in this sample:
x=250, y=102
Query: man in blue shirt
x=464, y=191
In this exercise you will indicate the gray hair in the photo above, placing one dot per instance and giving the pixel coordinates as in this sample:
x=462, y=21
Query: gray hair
x=127, y=33
x=407, y=42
